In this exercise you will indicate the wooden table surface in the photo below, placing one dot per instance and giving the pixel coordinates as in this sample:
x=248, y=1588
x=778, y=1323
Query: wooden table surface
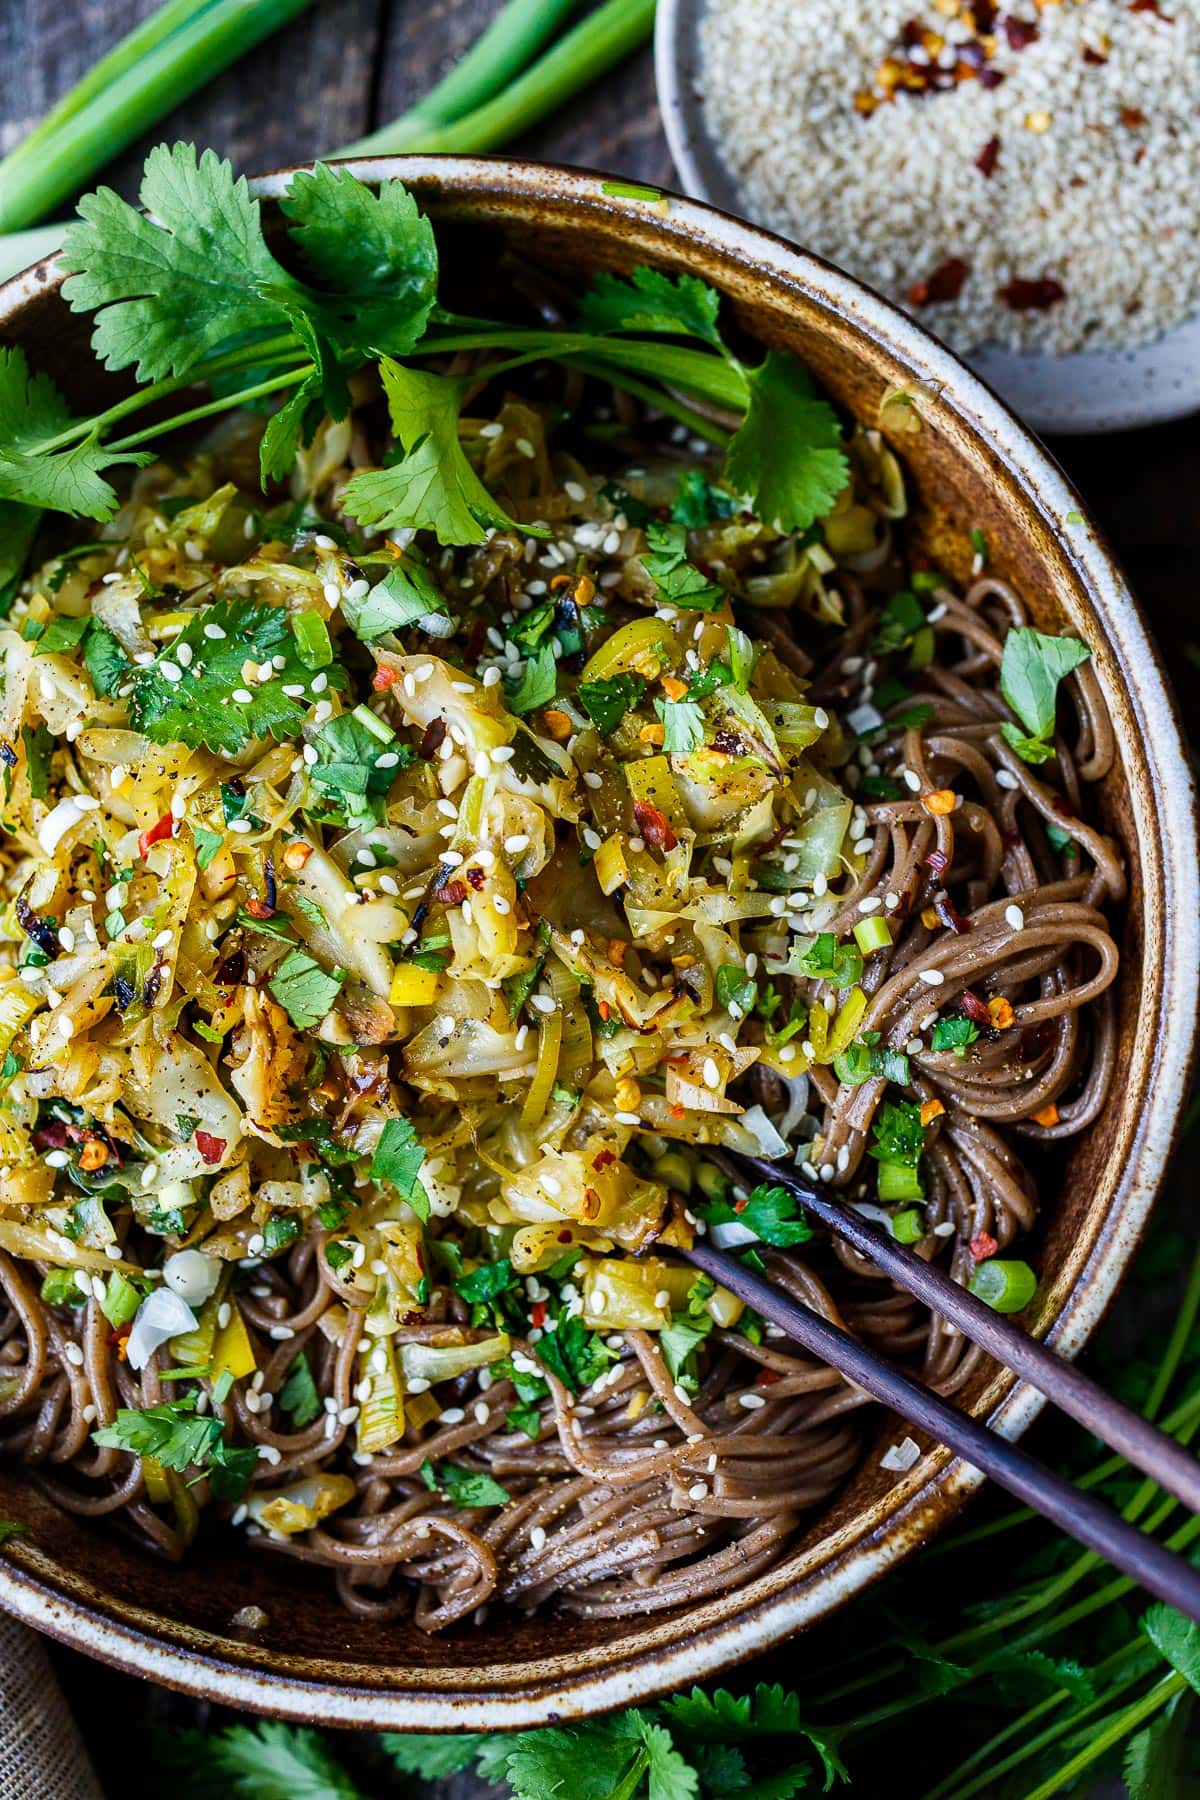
x=348, y=66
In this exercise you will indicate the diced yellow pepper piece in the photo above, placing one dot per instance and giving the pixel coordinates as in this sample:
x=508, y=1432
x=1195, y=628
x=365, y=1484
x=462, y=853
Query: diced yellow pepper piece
x=414, y=986
x=233, y=1350
x=610, y=865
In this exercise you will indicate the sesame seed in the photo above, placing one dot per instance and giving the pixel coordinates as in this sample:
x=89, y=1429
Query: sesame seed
x=751, y=1402
x=932, y=977
x=1014, y=917
x=1006, y=779
x=698, y=1490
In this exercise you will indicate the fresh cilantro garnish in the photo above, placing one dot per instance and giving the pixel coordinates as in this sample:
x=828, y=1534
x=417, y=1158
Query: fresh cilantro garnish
x=1030, y=671
x=397, y=1160
x=1056, y=837
x=899, y=1134
x=698, y=503
x=536, y=684
x=281, y=1230
x=180, y=1438
x=462, y=1487
x=679, y=1342
x=61, y=635
x=66, y=480
x=953, y=1034
x=607, y=699
x=405, y=596
x=861, y=1061
x=104, y=659
x=207, y=703
x=39, y=748
x=18, y=528
x=827, y=960
x=304, y=989
x=526, y=1418
x=573, y=1353
x=901, y=617
x=676, y=579
x=786, y=455
x=348, y=768
x=185, y=1124
x=683, y=726
x=207, y=845
x=298, y=1396
x=433, y=487
x=771, y=1213
x=487, y=1281
x=649, y=300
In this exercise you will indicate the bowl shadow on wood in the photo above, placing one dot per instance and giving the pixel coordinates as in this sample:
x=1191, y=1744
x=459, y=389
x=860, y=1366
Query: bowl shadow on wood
x=971, y=464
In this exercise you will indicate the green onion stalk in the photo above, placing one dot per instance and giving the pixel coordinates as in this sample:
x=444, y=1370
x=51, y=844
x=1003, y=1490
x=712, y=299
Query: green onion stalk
x=487, y=98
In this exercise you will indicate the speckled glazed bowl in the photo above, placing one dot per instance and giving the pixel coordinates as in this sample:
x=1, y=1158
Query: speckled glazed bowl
x=970, y=464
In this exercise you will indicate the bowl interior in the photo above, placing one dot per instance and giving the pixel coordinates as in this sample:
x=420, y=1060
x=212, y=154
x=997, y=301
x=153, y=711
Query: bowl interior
x=969, y=465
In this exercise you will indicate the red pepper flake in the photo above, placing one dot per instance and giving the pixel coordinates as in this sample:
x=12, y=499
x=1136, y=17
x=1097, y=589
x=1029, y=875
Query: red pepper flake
x=739, y=1206
x=258, y=909
x=767, y=1378
x=1020, y=33
x=938, y=861
x=384, y=678
x=432, y=739
x=982, y=15
x=983, y=1246
x=654, y=826
x=990, y=78
x=988, y=157
x=1032, y=296
x=1133, y=116
x=156, y=833
x=211, y=1149
x=946, y=283
x=603, y=1159
x=1097, y=58
x=120, y=1337
x=537, y=1314
x=453, y=894
x=477, y=879
x=974, y=1007
x=1152, y=6
x=949, y=914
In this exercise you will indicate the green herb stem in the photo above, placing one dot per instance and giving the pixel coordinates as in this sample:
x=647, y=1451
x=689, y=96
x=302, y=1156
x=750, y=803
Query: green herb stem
x=659, y=398
x=698, y=371
x=1118, y=1728
x=33, y=180
x=604, y=38
x=289, y=378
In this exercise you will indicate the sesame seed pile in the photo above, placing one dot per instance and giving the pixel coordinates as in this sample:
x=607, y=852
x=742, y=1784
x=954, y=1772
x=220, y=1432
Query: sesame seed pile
x=1021, y=176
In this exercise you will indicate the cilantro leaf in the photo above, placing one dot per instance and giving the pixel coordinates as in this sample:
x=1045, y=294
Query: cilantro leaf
x=899, y=1134
x=466, y=1487
x=207, y=844
x=432, y=1754
x=298, y=1396
x=18, y=528
x=373, y=254
x=770, y=1711
x=348, y=766
x=1176, y=1639
x=771, y=1213
x=196, y=704
x=649, y=300
x=860, y=1062
x=573, y=1353
x=104, y=659
x=537, y=684
x=591, y=1761
x=668, y=1775
x=173, y=286
x=433, y=488
x=683, y=726
x=273, y=1761
x=175, y=1434
x=607, y=699
x=735, y=988
x=487, y=1281
x=679, y=1342
x=304, y=990
x=397, y=1159
x=1031, y=669
x=61, y=636
x=405, y=595
x=676, y=579
x=953, y=1034
x=827, y=960
x=698, y=503
x=1154, y=1765
x=66, y=480
x=786, y=456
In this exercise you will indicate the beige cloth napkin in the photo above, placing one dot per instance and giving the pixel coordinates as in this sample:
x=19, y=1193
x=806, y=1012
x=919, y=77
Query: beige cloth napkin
x=41, y=1752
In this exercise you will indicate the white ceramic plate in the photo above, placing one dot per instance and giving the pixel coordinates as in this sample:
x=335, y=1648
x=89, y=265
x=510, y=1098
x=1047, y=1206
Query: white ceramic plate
x=1088, y=391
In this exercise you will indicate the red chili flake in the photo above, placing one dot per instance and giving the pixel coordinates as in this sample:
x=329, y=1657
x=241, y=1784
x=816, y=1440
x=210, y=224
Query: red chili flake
x=211, y=1149
x=767, y=1378
x=537, y=1314
x=654, y=826
x=52, y=1136
x=988, y=157
x=912, y=34
x=1063, y=810
x=1133, y=116
x=1020, y=33
x=1032, y=296
x=156, y=833
x=258, y=909
x=946, y=283
x=938, y=861
x=990, y=78
x=974, y=1007
x=384, y=678
x=453, y=894
x=432, y=739
x=983, y=15
x=983, y=1246
x=1152, y=6
x=1097, y=58
x=603, y=1158
x=739, y=1206
x=949, y=914
x=477, y=879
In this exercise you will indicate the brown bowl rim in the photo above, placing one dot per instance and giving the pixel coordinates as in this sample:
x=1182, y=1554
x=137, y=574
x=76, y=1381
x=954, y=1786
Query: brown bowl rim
x=499, y=1696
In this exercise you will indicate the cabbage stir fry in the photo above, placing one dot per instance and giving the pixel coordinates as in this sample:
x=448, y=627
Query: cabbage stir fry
x=423, y=903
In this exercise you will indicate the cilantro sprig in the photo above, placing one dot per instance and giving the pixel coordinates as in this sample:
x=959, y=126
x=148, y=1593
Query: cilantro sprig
x=1031, y=670
x=180, y=1438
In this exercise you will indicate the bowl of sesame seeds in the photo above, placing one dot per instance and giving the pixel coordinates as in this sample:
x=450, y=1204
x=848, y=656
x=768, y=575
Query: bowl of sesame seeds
x=1017, y=176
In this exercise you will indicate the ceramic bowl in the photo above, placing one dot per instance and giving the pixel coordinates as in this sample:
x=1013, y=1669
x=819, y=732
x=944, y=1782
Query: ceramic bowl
x=970, y=464
x=1085, y=392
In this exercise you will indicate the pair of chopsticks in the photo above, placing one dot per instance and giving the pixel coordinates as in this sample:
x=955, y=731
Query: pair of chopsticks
x=1074, y=1511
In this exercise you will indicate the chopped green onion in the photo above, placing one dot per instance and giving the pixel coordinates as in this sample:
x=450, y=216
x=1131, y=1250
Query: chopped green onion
x=711, y=1182
x=873, y=933
x=908, y=1227
x=1007, y=1287
x=312, y=640
x=674, y=1169
x=899, y=1181
x=121, y=1300
x=61, y=1288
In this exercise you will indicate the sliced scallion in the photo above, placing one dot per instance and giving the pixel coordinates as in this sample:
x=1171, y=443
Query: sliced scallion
x=1006, y=1287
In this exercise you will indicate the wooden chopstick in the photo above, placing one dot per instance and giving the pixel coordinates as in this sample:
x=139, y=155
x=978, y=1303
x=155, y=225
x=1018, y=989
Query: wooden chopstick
x=1076, y=1512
